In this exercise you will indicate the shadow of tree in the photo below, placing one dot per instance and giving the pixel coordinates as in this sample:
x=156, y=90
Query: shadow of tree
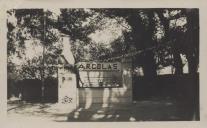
x=148, y=110
x=141, y=111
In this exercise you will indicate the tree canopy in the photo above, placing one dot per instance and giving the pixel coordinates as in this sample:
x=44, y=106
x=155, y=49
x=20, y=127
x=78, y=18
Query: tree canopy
x=153, y=38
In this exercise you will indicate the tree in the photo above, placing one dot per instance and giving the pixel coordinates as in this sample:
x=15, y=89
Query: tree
x=155, y=32
x=142, y=28
x=192, y=37
x=184, y=39
x=30, y=29
x=79, y=24
x=168, y=32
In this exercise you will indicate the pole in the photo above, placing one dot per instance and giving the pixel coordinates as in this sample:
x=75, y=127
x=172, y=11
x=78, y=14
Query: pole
x=43, y=58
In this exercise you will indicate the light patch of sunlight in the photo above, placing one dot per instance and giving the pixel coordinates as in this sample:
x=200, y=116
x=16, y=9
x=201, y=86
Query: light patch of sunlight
x=166, y=13
x=61, y=118
x=166, y=70
x=106, y=98
x=104, y=105
x=80, y=109
x=115, y=99
x=62, y=108
x=15, y=59
x=87, y=10
x=126, y=77
x=67, y=50
x=88, y=19
x=181, y=21
x=185, y=63
x=117, y=116
x=132, y=119
x=98, y=116
x=55, y=13
x=88, y=98
x=185, y=68
x=175, y=12
x=100, y=111
x=12, y=19
x=139, y=71
x=171, y=70
x=13, y=98
x=111, y=31
x=125, y=72
x=169, y=103
x=109, y=116
x=76, y=115
x=33, y=49
x=178, y=22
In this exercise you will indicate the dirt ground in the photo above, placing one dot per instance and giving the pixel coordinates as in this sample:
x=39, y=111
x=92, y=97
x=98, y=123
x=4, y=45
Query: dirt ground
x=148, y=110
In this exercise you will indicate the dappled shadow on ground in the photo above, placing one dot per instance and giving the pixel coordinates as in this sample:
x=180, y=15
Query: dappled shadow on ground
x=146, y=110
x=165, y=110
x=42, y=111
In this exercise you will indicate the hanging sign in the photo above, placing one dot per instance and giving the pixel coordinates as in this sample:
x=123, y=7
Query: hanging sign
x=95, y=74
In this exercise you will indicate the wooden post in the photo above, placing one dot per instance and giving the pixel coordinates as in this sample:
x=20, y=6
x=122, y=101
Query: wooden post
x=43, y=58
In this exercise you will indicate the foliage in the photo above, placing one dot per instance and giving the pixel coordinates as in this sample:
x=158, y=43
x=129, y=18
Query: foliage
x=166, y=31
x=161, y=35
x=31, y=30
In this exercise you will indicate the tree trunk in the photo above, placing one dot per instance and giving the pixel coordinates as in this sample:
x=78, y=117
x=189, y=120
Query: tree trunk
x=192, y=64
x=149, y=65
x=193, y=40
x=176, y=52
x=177, y=62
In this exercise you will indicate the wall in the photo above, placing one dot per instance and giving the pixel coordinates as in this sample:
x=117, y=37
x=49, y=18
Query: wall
x=67, y=88
x=108, y=96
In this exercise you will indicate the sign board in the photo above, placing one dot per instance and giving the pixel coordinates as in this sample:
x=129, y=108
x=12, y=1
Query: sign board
x=95, y=74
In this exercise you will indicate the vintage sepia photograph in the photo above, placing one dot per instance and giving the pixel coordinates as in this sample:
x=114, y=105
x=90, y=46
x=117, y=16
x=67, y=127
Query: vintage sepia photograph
x=103, y=64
